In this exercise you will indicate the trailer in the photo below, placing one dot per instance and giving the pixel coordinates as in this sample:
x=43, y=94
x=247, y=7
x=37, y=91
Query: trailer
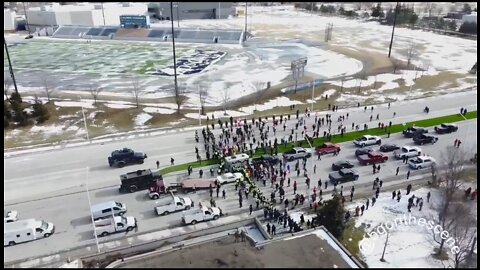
x=189, y=185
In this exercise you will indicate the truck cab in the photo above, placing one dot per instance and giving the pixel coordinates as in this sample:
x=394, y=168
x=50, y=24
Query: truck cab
x=116, y=224
x=138, y=180
x=202, y=214
x=125, y=156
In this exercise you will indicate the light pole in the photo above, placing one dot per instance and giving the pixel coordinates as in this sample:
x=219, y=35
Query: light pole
x=90, y=207
x=84, y=120
x=103, y=14
x=174, y=56
x=10, y=66
x=26, y=18
x=178, y=16
x=219, y=17
x=245, y=34
x=393, y=30
x=313, y=93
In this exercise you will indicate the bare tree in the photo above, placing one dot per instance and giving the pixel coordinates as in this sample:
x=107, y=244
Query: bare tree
x=450, y=179
x=429, y=8
x=260, y=90
x=180, y=95
x=225, y=99
x=136, y=90
x=48, y=87
x=439, y=10
x=411, y=53
x=94, y=90
x=382, y=259
x=464, y=232
x=203, y=95
x=7, y=83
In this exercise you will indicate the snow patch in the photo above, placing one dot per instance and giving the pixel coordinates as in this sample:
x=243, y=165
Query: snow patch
x=142, y=118
x=158, y=110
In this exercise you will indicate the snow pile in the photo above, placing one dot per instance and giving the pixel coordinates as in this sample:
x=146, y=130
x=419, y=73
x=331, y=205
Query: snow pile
x=158, y=110
x=142, y=118
x=277, y=102
x=48, y=130
x=84, y=103
x=217, y=114
x=119, y=106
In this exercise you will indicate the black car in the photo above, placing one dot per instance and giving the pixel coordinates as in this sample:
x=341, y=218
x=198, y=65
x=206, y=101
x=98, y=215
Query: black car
x=120, y=158
x=342, y=164
x=414, y=132
x=389, y=147
x=363, y=151
x=272, y=160
x=446, y=128
x=343, y=175
x=425, y=138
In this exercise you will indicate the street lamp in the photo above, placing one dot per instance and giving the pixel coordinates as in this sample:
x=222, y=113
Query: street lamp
x=90, y=207
x=84, y=119
x=10, y=66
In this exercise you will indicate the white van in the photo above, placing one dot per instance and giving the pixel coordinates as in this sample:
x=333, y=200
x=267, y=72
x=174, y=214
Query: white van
x=108, y=209
x=26, y=230
x=236, y=162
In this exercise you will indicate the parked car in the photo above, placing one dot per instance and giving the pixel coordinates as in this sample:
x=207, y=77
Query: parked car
x=388, y=147
x=343, y=175
x=296, y=153
x=26, y=230
x=327, y=148
x=363, y=151
x=175, y=204
x=198, y=215
x=407, y=151
x=342, y=164
x=120, y=158
x=366, y=140
x=446, y=128
x=138, y=180
x=116, y=224
x=414, y=131
x=425, y=138
x=10, y=216
x=421, y=162
x=229, y=178
x=372, y=157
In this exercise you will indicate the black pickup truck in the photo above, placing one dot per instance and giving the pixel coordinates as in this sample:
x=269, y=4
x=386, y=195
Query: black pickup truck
x=343, y=175
x=120, y=158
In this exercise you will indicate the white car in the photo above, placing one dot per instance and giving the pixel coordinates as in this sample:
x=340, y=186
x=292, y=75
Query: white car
x=408, y=151
x=10, y=216
x=229, y=178
x=421, y=162
x=367, y=140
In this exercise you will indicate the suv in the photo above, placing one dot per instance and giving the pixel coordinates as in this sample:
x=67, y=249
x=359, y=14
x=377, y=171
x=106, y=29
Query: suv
x=120, y=158
x=367, y=140
x=141, y=179
x=407, y=151
x=414, y=131
x=425, y=138
x=296, y=153
x=421, y=162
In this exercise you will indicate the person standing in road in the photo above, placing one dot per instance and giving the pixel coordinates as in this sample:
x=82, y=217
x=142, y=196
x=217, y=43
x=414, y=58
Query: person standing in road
x=398, y=169
x=274, y=229
x=268, y=228
x=158, y=164
x=251, y=209
x=428, y=196
x=408, y=174
x=373, y=201
x=393, y=194
x=172, y=161
x=367, y=204
x=224, y=194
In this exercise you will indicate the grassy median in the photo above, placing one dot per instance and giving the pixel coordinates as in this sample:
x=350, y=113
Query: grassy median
x=350, y=136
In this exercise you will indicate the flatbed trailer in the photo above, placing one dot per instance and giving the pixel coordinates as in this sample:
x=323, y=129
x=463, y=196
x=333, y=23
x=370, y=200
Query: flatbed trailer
x=189, y=185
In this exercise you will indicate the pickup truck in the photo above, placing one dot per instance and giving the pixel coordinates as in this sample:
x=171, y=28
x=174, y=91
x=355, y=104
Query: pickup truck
x=122, y=157
x=296, y=153
x=414, y=131
x=372, y=157
x=407, y=151
x=425, y=138
x=327, y=148
x=10, y=216
x=174, y=205
x=343, y=175
x=203, y=214
x=446, y=128
x=104, y=227
x=366, y=140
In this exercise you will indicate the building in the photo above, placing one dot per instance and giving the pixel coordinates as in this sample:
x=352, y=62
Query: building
x=191, y=10
x=135, y=21
x=469, y=18
x=84, y=14
x=9, y=21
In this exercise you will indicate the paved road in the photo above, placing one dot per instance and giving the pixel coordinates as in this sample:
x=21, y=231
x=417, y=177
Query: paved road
x=70, y=213
x=52, y=173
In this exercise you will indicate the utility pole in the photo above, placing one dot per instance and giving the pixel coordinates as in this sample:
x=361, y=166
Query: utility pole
x=178, y=16
x=245, y=34
x=393, y=30
x=90, y=206
x=103, y=14
x=174, y=55
x=219, y=10
x=10, y=66
x=26, y=18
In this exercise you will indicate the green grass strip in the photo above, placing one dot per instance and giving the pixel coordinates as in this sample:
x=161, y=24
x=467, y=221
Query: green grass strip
x=350, y=136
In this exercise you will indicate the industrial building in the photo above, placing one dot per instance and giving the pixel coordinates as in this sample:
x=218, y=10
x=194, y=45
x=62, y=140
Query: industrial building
x=191, y=10
x=9, y=20
x=83, y=14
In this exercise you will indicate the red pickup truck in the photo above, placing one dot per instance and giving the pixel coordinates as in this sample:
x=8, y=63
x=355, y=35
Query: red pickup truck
x=372, y=158
x=327, y=148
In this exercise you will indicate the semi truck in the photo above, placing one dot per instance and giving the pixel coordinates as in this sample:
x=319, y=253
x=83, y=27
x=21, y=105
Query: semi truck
x=26, y=230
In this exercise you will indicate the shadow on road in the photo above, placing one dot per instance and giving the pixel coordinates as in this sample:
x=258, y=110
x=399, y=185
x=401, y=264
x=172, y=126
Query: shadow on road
x=86, y=235
x=142, y=197
x=81, y=221
x=110, y=192
x=149, y=214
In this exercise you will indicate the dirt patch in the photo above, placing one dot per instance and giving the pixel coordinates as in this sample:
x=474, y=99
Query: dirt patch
x=305, y=251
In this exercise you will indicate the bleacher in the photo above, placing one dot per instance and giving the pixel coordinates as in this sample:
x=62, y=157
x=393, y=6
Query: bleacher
x=191, y=35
